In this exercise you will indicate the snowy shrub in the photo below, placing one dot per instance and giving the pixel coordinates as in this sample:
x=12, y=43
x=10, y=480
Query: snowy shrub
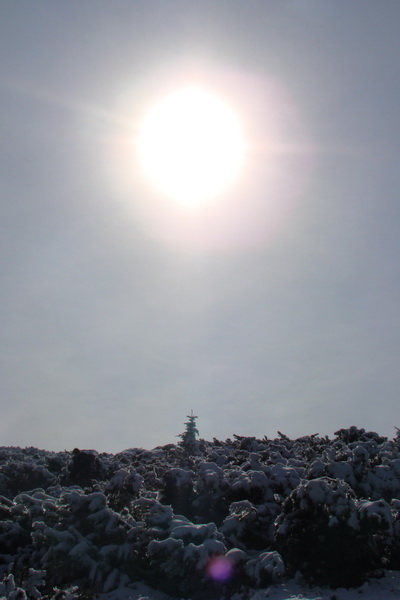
x=122, y=488
x=266, y=568
x=353, y=434
x=167, y=564
x=16, y=530
x=155, y=515
x=361, y=463
x=341, y=470
x=196, y=534
x=221, y=520
x=392, y=549
x=284, y=479
x=9, y=590
x=334, y=469
x=84, y=467
x=377, y=529
x=181, y=567
x=33, y=583
x=166, y=557
x=88, y=545
x=12, y=536
x=248, y=526
x=196, y=557
x=251, y=444
x=384, y=481
x=29, y=586
x=377, y=514
x=19, y=476
x=210, y=478
x=57, y=461
x=177, y=491
x=317, y=533
x=210, y=502
x=316, y=469
x=220, y=456
x=251, y=485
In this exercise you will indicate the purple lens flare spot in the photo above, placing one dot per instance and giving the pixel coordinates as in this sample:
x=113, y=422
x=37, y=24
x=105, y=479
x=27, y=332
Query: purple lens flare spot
x=219, y=569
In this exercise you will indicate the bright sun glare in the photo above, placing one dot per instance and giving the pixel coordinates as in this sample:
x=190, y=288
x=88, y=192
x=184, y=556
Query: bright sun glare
x=190, y=146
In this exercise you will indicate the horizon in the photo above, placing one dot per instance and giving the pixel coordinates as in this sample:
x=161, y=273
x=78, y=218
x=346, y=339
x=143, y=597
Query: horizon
x=281, y=436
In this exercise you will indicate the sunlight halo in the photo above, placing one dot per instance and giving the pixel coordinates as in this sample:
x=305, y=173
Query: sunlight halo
x=190, y=146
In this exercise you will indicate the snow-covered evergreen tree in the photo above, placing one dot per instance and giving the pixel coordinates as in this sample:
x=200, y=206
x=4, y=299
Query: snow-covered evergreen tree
x=189, y=437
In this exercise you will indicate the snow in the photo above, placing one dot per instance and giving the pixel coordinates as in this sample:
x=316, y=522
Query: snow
x=379, y=510
x=136, y=591
x=268, y=564
x=384, y=588
x=235, y=520
x=194, y=532
x=181, y=477
x=200, y=555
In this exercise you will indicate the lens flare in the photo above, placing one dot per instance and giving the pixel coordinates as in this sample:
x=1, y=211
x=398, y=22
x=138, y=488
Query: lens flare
x=219, y=569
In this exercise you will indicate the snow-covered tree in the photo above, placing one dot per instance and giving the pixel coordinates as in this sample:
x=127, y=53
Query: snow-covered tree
x=189, y=436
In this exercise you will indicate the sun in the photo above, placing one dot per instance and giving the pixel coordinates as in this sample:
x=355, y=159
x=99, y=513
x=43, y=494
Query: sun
x=190, y=146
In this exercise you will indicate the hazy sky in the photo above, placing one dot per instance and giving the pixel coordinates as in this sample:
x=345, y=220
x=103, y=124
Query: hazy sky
x=275, y=307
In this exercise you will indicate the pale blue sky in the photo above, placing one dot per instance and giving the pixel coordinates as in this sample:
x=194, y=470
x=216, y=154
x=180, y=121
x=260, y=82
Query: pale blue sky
x=276, y=308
